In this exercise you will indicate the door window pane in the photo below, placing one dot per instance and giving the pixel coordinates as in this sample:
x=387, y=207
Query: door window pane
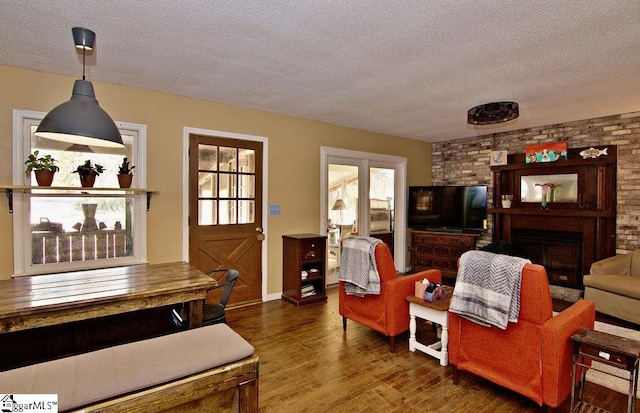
x=247, y=159
x=227, y=186
x=227, y=212
x=228, y=160
x=207, y=157
x=207, y=212
x=247, y=186
x=246, y=212
x=207, y=184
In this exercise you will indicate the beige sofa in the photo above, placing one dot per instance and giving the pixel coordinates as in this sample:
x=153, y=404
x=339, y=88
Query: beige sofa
x=614, y=285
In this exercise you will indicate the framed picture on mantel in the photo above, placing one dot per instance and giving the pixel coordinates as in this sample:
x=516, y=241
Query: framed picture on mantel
x=546, y=152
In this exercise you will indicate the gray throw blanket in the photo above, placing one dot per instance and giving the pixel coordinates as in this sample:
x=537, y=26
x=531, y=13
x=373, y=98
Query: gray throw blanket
x=358, y=266
x=487, y=289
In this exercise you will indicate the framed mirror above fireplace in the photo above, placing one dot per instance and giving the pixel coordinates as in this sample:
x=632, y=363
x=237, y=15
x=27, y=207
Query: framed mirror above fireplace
x=560, y=188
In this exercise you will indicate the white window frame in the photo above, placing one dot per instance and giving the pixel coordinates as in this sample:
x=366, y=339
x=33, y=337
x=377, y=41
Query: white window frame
x=23, y=120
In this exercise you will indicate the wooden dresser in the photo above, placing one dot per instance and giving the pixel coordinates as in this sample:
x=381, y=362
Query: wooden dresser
x=440, y=250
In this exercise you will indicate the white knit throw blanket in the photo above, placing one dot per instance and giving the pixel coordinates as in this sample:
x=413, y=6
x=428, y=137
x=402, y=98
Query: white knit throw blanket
x=487, y=288
x=358, y=266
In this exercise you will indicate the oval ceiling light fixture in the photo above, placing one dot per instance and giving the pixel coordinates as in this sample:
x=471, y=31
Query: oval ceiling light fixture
x=495, y=112
x=81, y=120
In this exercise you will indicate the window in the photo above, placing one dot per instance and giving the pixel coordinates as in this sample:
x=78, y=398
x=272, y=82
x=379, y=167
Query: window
x=65, y=229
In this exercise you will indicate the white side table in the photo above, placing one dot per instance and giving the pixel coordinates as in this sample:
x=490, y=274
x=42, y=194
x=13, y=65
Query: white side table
x=436, y=313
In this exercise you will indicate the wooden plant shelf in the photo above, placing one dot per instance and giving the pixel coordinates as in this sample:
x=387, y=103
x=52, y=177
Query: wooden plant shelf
x=74, y=191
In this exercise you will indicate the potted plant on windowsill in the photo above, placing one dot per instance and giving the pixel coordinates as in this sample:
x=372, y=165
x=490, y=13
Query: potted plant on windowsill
x=88, y=172
x=44, y=168
x=125, y=174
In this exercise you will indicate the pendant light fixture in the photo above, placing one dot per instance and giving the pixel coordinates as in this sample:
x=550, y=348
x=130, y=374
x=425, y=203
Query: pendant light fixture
x=490, y=113
x=81, y=120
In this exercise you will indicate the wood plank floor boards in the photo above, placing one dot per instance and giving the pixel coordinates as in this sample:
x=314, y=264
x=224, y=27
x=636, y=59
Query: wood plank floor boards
x=307, y=364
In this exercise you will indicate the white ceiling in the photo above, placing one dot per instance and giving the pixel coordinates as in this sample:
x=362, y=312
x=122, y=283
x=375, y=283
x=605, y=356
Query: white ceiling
x=404, y=68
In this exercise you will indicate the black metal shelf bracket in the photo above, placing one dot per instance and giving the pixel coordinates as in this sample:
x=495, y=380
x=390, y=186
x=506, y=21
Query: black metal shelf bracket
x=9, y=192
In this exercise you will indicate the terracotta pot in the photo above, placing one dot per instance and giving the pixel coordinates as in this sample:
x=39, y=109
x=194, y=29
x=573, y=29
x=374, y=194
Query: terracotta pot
x=125, y=180
x=44, y=177
x=89, y=181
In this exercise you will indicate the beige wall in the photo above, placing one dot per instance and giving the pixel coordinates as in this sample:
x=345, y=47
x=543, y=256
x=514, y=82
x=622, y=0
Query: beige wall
x=294, y=156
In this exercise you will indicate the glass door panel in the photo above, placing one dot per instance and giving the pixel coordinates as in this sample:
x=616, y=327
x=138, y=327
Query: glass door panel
x=343, y=211
x=381, y=199
x=381, y=204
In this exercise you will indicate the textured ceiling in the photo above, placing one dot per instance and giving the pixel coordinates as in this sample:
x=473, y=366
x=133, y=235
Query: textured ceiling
x=404, y=68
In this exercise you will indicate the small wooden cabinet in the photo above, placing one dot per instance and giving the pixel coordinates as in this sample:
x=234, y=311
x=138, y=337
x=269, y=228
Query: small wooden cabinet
x=304, y=254
x=440, y=250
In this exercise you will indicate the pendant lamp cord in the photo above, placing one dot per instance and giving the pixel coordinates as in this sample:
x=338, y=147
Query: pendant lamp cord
x=84, y=51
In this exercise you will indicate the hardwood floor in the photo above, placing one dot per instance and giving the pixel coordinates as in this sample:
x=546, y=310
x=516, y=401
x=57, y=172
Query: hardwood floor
x=307, y=364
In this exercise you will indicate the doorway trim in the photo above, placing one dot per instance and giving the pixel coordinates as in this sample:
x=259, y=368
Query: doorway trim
x=399, y=164
x=187, y=131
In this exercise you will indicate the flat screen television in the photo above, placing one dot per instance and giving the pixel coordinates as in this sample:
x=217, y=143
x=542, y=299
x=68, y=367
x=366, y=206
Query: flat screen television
x=447, y=208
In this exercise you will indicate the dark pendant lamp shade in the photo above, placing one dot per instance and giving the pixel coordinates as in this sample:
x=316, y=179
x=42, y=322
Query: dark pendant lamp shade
x=81, y=120
x=490, y=113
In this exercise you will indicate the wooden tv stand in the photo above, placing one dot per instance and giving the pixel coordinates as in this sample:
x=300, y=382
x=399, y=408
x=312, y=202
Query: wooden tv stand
x=440, y=250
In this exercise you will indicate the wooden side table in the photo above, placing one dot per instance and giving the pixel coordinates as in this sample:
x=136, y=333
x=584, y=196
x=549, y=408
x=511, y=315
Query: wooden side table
x=438, y=313
x=609, y=349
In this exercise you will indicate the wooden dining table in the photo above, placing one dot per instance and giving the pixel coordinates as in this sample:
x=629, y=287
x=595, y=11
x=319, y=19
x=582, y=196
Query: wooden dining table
x=48, y=300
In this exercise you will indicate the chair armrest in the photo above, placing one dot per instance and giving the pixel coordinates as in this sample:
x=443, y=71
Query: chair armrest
x=396, y=291
x=616, y=265
x=557, y=349
x=405, y=285
x=433, y=275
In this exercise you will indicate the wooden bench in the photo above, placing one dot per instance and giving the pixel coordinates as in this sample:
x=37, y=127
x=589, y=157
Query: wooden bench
x=205, y=369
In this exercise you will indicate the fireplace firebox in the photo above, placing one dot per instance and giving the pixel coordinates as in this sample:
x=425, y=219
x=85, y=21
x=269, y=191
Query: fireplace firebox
x=559, y=252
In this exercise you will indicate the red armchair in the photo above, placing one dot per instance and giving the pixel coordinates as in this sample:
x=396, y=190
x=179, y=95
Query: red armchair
x=533, y=356
x=388, y=312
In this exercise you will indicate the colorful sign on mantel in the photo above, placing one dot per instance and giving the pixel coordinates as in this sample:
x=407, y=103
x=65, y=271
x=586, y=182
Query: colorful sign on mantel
x=546, y=152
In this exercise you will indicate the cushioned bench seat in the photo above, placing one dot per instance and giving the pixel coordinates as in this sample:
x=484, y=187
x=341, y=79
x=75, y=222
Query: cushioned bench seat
x=100, y=375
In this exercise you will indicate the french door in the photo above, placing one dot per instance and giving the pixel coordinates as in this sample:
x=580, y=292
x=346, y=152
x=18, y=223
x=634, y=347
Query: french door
x=363, y=195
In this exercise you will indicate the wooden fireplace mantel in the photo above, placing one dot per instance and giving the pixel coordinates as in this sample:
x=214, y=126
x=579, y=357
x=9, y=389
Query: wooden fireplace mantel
x=556, y=212
x=591, y=218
